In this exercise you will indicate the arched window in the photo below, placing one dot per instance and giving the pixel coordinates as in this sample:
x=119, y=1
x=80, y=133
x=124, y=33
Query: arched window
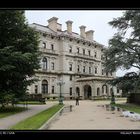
x=44, y=45
x=44, y=60
x=44, y=86
x=104, y=89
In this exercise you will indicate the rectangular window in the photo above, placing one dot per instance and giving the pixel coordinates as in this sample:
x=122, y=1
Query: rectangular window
x=95, y=55
x=77, y=50
x=84, y=69
x=117, y=90
x=89, y=52
x=70, y=91
x=52, y=47
x=70, y=77
x=102, y=72
x=89, y=70
x=52, y=89
x=36, y=88
x=52, y=65
x=83, y=51
x=95, y=70
x=78, y=68
x=70, y=49
x=70, y=67
x=101, y=57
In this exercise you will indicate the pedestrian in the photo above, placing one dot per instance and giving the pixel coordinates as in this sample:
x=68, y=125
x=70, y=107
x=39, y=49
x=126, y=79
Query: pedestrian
x=77, y=100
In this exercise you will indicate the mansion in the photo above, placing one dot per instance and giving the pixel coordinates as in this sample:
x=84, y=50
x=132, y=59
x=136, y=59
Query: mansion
x=71, y=63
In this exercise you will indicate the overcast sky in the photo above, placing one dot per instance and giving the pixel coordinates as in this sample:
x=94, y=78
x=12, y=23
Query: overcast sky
x=96, y=20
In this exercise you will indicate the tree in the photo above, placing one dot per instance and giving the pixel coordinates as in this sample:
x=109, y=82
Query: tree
x=124, y=48
x=19, y=57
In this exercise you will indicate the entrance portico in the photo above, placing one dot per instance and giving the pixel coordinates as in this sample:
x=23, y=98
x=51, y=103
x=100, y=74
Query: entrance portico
x=91, y=87
x=87, y=92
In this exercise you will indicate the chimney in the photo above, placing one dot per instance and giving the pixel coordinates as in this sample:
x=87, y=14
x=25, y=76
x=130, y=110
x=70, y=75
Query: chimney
x=53, y=23
x=69, y=26
x=89, y=35
x=82, y=31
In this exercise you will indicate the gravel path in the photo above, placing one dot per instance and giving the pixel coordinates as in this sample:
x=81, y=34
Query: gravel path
x=89, y=115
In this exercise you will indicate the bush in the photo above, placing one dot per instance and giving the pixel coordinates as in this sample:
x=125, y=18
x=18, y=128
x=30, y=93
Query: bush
x=42, y=100
x=134, y=98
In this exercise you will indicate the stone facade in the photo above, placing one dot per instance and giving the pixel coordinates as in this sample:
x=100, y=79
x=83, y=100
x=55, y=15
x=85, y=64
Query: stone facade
x=71, y=59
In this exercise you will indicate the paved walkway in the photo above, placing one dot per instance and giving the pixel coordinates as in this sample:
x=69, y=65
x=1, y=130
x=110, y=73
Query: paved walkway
x=89, y=115
x=7, y=122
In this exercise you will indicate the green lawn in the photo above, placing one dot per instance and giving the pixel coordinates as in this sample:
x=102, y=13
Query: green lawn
x=36, y=121
x=130, y=107
x=10, y=111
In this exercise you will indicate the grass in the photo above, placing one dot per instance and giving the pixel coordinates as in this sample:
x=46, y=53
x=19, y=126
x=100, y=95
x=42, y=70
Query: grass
x=130, y=107
x=36, y=121
x=9, y=110
x=31, y=103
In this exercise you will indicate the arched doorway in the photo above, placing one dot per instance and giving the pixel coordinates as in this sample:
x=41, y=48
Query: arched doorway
x=87, y=92
x=44, y=86
x=98, y=91
x=77, y=91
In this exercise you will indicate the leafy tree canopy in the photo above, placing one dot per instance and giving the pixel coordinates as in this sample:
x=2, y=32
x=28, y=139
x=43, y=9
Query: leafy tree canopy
x=18, y=53
x=124, y=47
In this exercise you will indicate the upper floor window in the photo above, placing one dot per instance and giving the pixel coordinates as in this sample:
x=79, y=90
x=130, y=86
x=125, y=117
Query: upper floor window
x=70, y=90
x=95, y=70
x=78, y=50
x=52, y=65
x=89, y=52
x=36, y=88
x=52, y=46
x=83, y=51
x=102, y=72
x=84, y=69
x=70, y=49
x=102, y=57
x=117, y=90
x=78, y=68
x=44, y=61
x=44, y=45
x=95, y=55
x=70, y=67
x=89, y=70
